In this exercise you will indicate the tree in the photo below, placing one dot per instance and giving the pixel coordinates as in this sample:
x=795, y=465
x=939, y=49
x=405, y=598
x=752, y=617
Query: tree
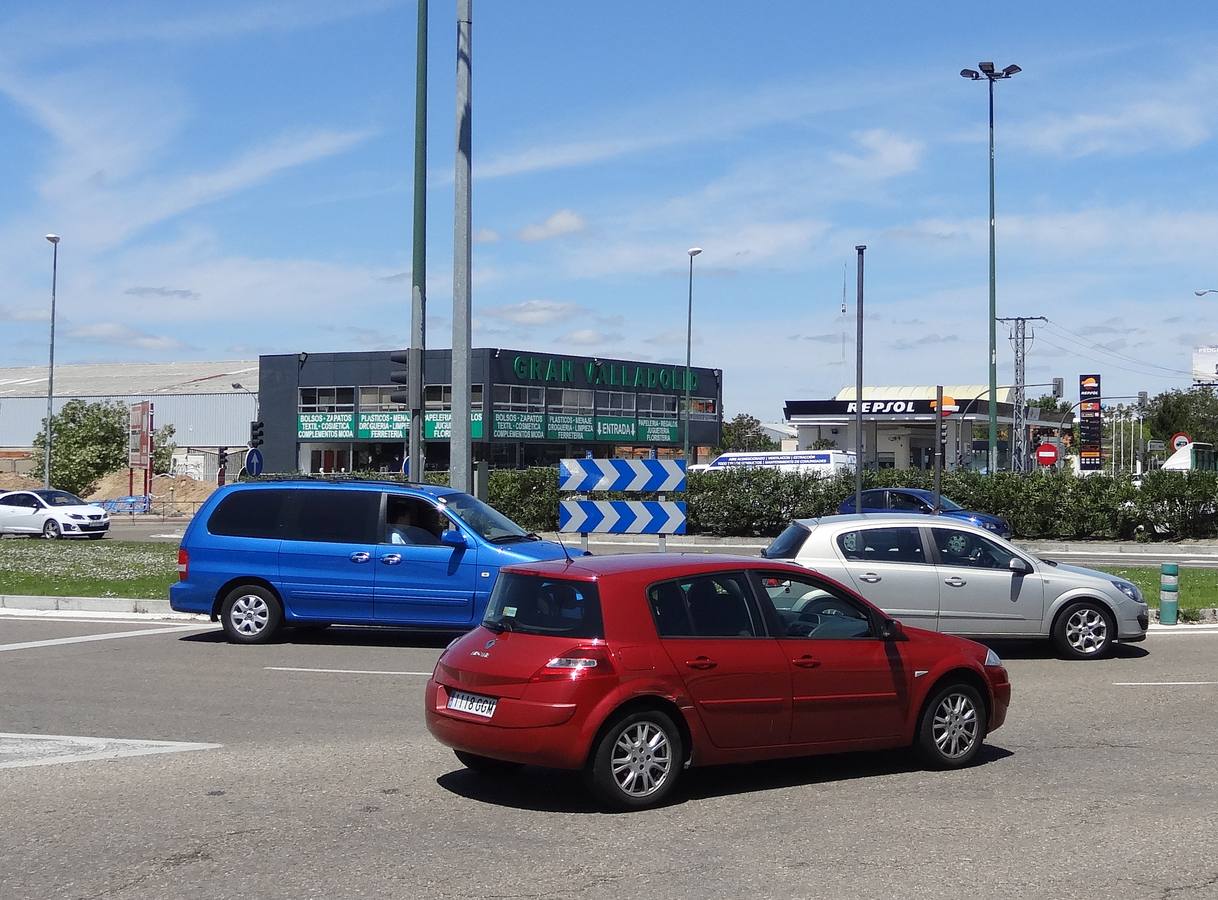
x=1194, y=412
x=89, y=441
x=824, y=444
x=1051, y=404
x=162, y=450
x=744, y=432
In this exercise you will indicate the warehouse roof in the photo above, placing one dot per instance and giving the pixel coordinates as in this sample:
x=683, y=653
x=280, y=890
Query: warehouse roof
x=120, y=379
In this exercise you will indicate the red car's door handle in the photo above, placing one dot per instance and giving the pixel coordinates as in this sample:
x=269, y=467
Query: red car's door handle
x=701, y=662
x=805, y=662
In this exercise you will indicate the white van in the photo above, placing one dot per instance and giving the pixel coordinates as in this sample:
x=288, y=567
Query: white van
x=812, y=462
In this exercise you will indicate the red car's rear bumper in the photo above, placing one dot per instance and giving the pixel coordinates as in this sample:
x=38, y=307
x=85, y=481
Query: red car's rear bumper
x=529, y=732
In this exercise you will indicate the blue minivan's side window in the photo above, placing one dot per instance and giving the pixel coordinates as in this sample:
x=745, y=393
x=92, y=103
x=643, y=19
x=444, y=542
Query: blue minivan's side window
x=340, y=517
x=249, y=513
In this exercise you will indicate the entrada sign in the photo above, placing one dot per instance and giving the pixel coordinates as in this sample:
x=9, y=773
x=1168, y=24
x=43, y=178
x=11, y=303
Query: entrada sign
x=564, y=371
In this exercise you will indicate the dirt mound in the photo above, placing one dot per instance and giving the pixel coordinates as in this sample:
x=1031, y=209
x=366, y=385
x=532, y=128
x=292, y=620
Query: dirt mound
x=11, y=481
x=181, y=488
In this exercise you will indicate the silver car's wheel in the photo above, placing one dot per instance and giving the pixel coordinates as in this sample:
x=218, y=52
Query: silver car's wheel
x=637, y=760
x=51, y=530
x=250, y=614
x=953, y=726
x=1084, y=631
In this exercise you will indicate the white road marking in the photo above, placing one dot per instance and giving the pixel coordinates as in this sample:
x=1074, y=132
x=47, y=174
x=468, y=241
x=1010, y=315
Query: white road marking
x=343, y=671
x=108, y=636
x=92, y=616
x=164, y=535
x=1179, y=630
x=21, y=750
x=1160, y=683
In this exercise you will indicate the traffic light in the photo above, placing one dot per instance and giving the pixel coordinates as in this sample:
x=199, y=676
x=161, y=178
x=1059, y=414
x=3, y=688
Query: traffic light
x=1059, y=388
x=222, y=458
x=256, y=434
x=400, y=376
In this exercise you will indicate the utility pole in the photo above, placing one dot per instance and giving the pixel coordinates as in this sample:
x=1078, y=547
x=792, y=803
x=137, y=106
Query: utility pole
x=460, y=451
x=418, y=268
x=858, y=388
x=1019, y=425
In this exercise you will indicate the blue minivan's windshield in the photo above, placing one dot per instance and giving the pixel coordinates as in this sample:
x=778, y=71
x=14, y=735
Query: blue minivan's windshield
x=492, y=525
x=533, y=604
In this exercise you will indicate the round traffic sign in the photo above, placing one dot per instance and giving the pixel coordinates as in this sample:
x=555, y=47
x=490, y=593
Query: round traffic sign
x=253, y=461
x=1046, y=454
x=1180, y=439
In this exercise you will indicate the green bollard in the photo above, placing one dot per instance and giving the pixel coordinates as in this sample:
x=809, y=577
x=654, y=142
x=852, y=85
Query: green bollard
x=1169, y=593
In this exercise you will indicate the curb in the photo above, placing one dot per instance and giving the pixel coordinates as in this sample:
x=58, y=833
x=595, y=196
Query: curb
x=32, y=603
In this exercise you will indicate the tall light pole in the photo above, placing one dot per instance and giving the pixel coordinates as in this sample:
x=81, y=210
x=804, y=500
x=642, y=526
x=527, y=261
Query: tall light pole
x=418, y=267
x=460, y=466
x=238, y=386
x=858, y=387
x=689, y=342
x=46, y=480
x=990, y=75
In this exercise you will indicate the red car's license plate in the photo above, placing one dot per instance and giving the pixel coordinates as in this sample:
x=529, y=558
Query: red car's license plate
x=472, y=703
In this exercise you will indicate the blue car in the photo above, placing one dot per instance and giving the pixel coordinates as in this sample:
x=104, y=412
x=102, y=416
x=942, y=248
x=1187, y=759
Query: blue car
x=259, y=556
x=915, y=500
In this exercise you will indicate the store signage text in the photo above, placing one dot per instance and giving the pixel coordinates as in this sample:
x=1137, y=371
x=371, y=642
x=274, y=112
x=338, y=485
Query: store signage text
x=563, y=371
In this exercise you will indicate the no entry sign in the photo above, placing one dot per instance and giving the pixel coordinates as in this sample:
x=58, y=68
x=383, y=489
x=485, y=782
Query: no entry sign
x=1046, y=454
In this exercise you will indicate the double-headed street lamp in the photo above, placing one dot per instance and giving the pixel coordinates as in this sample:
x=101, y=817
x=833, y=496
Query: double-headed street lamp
x=689, y=342
x=989, y=74
x=46, y=480
x=238, y=386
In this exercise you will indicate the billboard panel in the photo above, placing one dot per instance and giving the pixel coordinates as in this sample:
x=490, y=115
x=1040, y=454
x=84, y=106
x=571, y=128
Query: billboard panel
x=1090, y=424
x=1205, y=365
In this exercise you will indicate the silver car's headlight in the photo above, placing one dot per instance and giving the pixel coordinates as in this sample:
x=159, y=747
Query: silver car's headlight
x=992, y=659
x=1129, y=589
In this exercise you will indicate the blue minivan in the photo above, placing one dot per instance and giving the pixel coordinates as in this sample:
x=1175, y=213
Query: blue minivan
x=258, y=556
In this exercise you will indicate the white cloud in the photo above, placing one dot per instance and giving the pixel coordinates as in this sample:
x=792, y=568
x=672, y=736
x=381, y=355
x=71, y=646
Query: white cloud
x=118, y=333
x=564, y=221
x=486, y=236
x=535, y=312
x=1158, y=124
x=589, y=337
x=881, y=154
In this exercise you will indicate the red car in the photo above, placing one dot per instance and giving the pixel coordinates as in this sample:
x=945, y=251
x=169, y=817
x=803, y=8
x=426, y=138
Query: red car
x=632, y=668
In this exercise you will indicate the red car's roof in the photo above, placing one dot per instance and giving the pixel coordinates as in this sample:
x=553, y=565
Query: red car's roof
x=654, y=565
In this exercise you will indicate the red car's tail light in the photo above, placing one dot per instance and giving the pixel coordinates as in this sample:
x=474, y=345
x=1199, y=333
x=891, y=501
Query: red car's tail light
x=183, y=563
x=575, y=664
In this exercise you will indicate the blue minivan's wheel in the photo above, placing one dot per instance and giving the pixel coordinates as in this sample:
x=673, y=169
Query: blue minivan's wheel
x=250, y=614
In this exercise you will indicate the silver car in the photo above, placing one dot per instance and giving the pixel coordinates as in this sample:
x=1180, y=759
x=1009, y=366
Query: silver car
x=956, y=578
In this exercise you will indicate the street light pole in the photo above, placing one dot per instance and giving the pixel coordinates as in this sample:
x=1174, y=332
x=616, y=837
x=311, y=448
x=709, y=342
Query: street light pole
x=990, y=75
x=46, y=480
x=460, y=450
x=689, y=342
x=858, y=387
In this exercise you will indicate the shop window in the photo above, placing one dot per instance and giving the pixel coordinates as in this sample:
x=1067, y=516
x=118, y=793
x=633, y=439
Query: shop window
x=659, y=406
x=520, y=398
x=376, y=398
x=439, y=397
x=703, y=408
x=615, y=403
x=327, y=399
x=569, y=400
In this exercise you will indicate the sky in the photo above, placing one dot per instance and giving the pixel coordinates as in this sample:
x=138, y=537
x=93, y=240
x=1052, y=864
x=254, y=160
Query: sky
x=235, y=178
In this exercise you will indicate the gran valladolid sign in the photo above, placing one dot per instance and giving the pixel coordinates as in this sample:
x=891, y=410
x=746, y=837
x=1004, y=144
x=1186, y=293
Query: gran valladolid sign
x=592, y=374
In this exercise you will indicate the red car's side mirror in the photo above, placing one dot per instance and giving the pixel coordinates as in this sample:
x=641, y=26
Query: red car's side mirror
x=891, y=630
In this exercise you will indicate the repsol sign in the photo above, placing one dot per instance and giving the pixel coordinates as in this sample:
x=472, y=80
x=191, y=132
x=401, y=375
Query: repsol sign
x=884, y=406
x=851, y=407
x=593, y=373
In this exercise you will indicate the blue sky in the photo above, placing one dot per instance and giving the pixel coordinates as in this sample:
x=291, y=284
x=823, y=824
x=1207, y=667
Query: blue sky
x=235, y=179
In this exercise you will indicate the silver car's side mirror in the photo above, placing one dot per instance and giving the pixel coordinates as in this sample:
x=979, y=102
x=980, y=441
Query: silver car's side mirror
x=1019, y=566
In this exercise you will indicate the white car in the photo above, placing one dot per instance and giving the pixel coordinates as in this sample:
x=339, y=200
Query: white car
x=52, y=514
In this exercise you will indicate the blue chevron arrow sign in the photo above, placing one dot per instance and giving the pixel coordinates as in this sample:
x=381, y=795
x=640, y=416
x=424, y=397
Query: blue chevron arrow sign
x=644, y=475
x=621, y=516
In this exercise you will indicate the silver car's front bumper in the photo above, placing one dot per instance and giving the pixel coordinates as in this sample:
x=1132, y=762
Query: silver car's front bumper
x=1133, y=622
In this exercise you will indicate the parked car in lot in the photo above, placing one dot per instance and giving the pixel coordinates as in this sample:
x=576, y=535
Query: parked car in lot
x=307, y=553
x=51, y=514
x=916, y=500
x=631, y=668
x=952, y=577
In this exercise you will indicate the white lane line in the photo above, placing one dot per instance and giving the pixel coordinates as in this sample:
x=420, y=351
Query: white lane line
x=108, y=636
x=89, y=617
x=22, y=750
x=1181, y=631
x=1161, y=683
x=343, y=671
x=164, y=535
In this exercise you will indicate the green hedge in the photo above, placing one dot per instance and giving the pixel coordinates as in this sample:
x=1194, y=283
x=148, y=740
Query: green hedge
x=760, y=502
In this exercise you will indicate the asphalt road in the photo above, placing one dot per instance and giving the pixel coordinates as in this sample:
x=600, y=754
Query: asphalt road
x=298, y=783
x=1079, y=553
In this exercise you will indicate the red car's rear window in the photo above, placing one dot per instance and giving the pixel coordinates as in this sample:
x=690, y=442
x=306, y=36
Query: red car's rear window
x=535, y=604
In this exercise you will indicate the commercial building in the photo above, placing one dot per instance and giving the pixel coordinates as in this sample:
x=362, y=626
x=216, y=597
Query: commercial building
x=900, y=425
x=197, y=398
x=331, y=412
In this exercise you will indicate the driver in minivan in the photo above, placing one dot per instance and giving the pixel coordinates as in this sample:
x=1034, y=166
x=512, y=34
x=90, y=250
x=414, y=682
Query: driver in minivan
x=406, y=527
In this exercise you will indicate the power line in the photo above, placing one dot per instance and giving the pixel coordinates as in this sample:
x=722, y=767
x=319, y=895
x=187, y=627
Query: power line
x=1066, y=334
